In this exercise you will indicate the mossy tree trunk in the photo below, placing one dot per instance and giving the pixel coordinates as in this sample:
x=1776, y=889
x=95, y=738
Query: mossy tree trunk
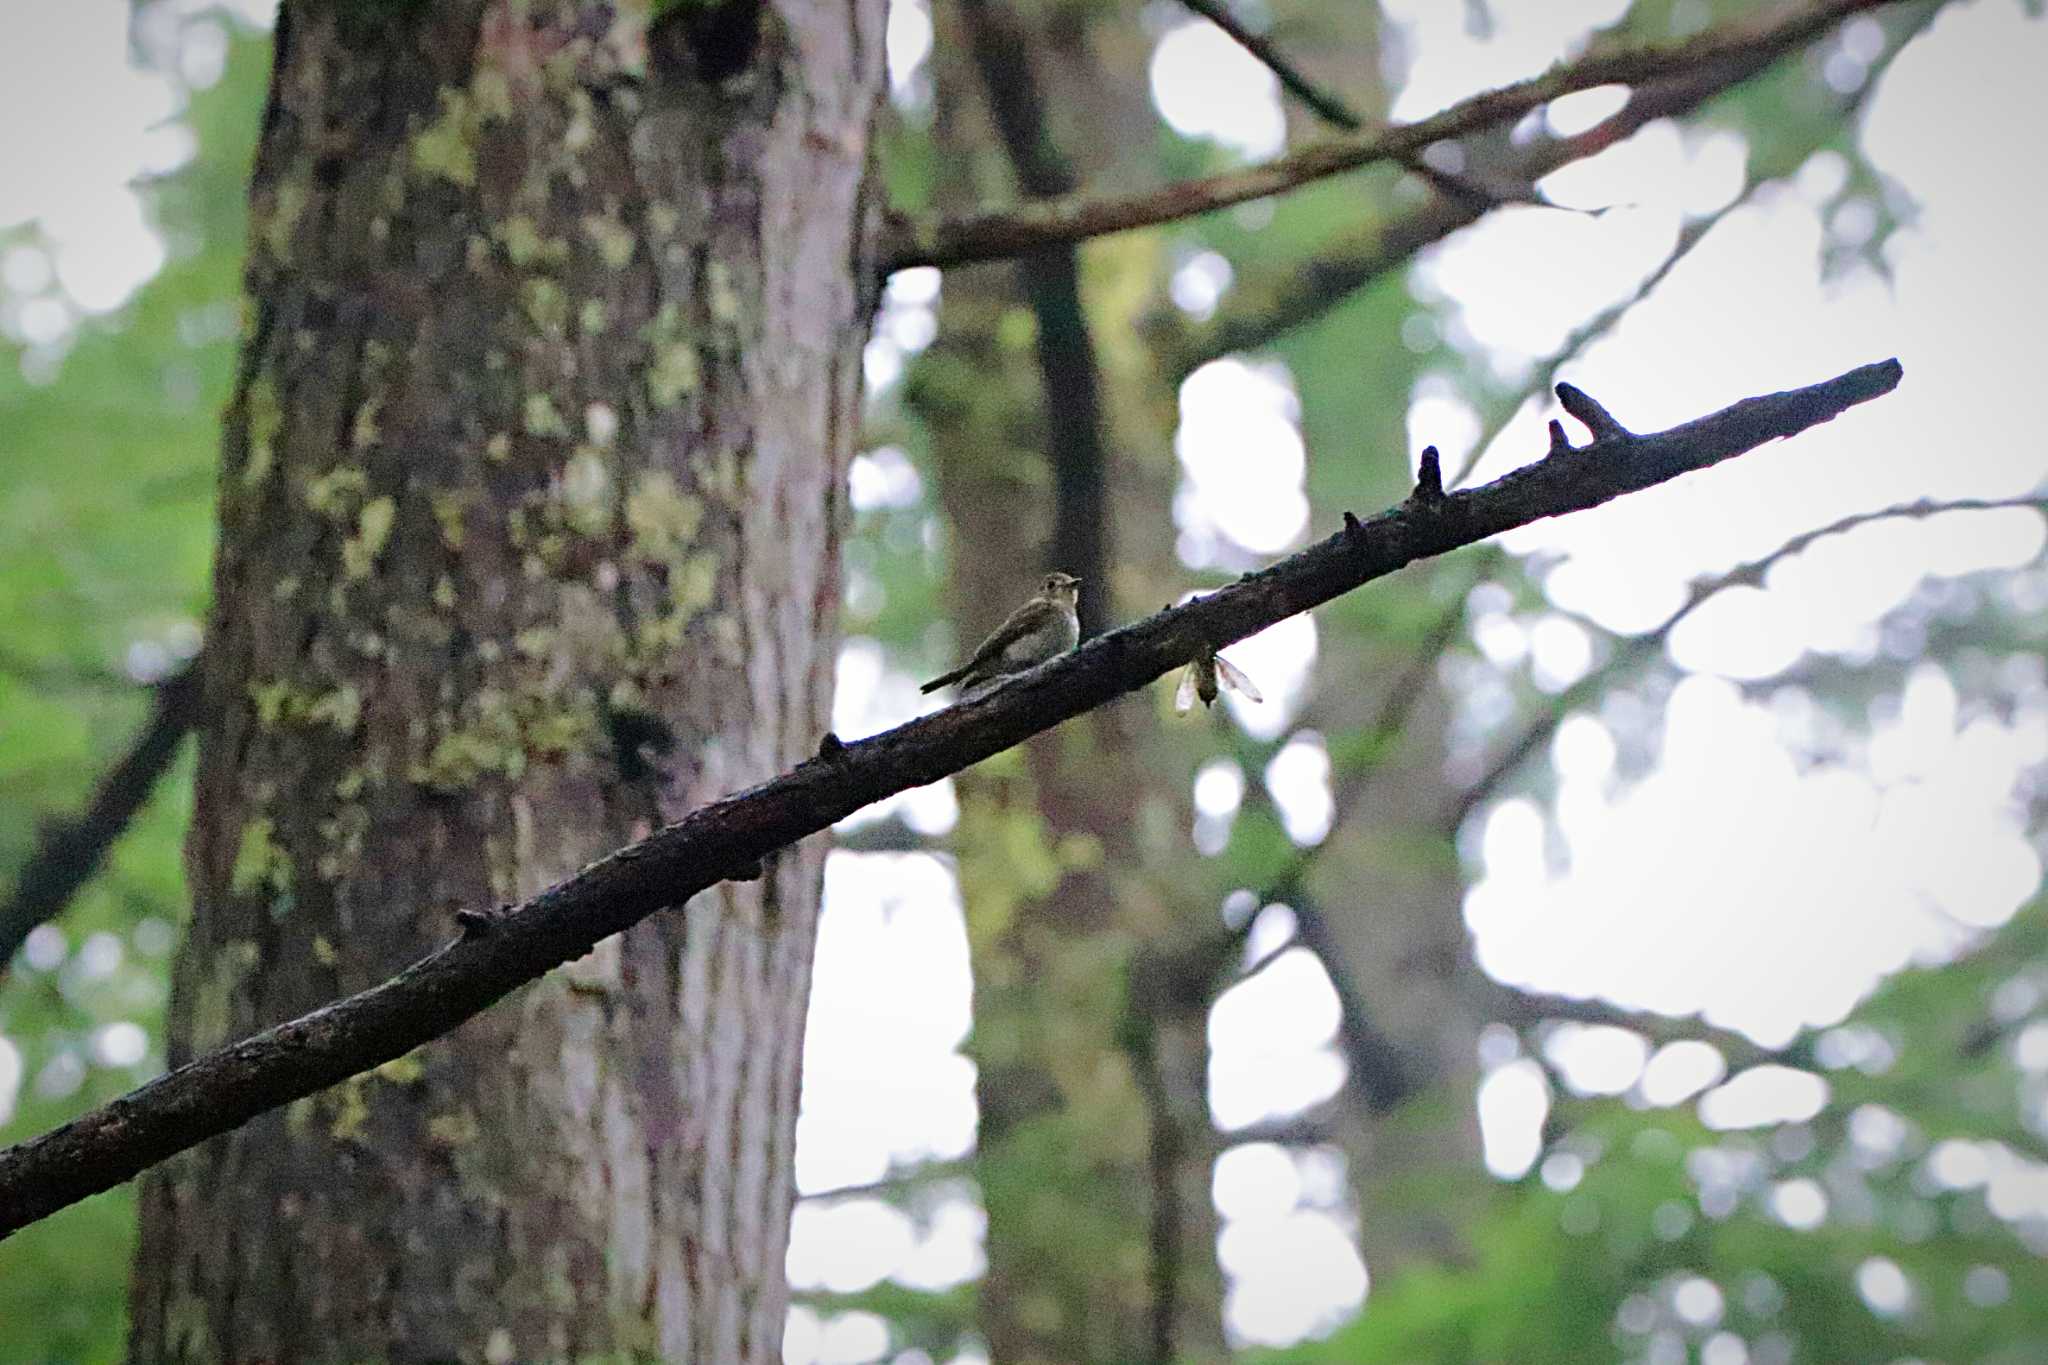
x=530, y=513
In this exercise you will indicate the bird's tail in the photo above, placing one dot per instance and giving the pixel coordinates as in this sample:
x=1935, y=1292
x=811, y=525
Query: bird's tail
x=947, y=678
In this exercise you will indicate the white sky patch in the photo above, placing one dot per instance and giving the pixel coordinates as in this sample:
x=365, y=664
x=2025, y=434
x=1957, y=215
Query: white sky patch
x=1269, y=1043
x=10, y=1078
x=1734, y=883
x=1240, y=445
x=884, y=1082
x=1764, y=1095
x=1799, y=1203
x=70, y=80
x=1290, y=1276
x=1299, y=780
x=883, y=477
x=908, y=41
x=1199, y=283
x=1206, y=86
x=1513, y=1100
x=1680, y=1070
x=1255, y=1180
x=1597, y=1059
x=1451, y=62
x=1570, y=115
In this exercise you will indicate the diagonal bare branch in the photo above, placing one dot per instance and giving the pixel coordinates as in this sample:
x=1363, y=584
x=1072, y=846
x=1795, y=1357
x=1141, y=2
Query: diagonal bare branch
x=70, y=851
x=1075, y=217
x=501, y=950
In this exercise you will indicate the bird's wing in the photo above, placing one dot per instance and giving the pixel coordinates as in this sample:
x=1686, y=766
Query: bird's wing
x=1024, y=621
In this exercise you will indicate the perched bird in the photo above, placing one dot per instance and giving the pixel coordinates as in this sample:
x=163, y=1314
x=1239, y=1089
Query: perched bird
x=1044, y=628
x=1200, y=677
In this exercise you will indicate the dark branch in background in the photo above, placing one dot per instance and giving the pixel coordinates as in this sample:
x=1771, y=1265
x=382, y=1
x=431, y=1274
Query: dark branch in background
x=1072, y=218
x=70, y=851
x=1334, y=111
x=1070, y=382
x=1523, y=1009
x=1642, y=648
x=1321, y=102
x=1164, y=1152
x=1376, y=1071
x=1270, y=301
x=501, y=950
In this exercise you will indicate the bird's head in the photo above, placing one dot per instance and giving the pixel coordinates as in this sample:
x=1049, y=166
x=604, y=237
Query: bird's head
x=1061, y=587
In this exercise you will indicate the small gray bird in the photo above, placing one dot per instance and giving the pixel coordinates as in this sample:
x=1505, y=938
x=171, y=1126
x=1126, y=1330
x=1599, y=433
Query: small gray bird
x=1044, y=628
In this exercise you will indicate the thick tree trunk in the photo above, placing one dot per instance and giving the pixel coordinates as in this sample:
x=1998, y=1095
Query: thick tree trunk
x=530, y=517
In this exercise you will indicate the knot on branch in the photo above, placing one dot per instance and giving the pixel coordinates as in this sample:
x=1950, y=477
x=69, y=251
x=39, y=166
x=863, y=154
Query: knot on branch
x=1429, y=479
x=480, y=923
x=831, y=748
x=1352, y=525
x=1560, y=444
x=1596, y=418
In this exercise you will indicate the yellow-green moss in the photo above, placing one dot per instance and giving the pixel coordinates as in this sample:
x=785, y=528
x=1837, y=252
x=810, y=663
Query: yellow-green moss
x=261, y=863
x=614, y=241
x=364, y=431
x=672, y=369
x=691, y=586
x=288, y=201
x=342, y=837
x=724, y=298
x=663, y=519
x=351, y=1110
x=373, y=529
x=264, y=418
x=542, y=418
x=340, y=708
x=446, y=148
x=449, y=507
x=673, y=373
x=336, y=493
x=547, y=307
x=457, y=1129
x=493, y=93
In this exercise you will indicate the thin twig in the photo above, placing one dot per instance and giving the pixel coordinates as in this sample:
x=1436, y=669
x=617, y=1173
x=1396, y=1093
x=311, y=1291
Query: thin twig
x=1336, y=113
x=1076, y=217
x=1639, y=649
x=227, y=1087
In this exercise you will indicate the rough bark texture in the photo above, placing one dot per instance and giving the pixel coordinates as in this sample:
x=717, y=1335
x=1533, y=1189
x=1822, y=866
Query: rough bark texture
x=530, y=511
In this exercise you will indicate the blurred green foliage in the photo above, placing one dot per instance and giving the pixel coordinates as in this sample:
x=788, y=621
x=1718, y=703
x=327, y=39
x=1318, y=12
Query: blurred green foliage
x=106, y=483
x=1605, y=1258
x=106, y=479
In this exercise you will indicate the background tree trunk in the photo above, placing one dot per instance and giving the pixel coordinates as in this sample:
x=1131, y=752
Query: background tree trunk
x=1023, y=398
x=530, y=515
